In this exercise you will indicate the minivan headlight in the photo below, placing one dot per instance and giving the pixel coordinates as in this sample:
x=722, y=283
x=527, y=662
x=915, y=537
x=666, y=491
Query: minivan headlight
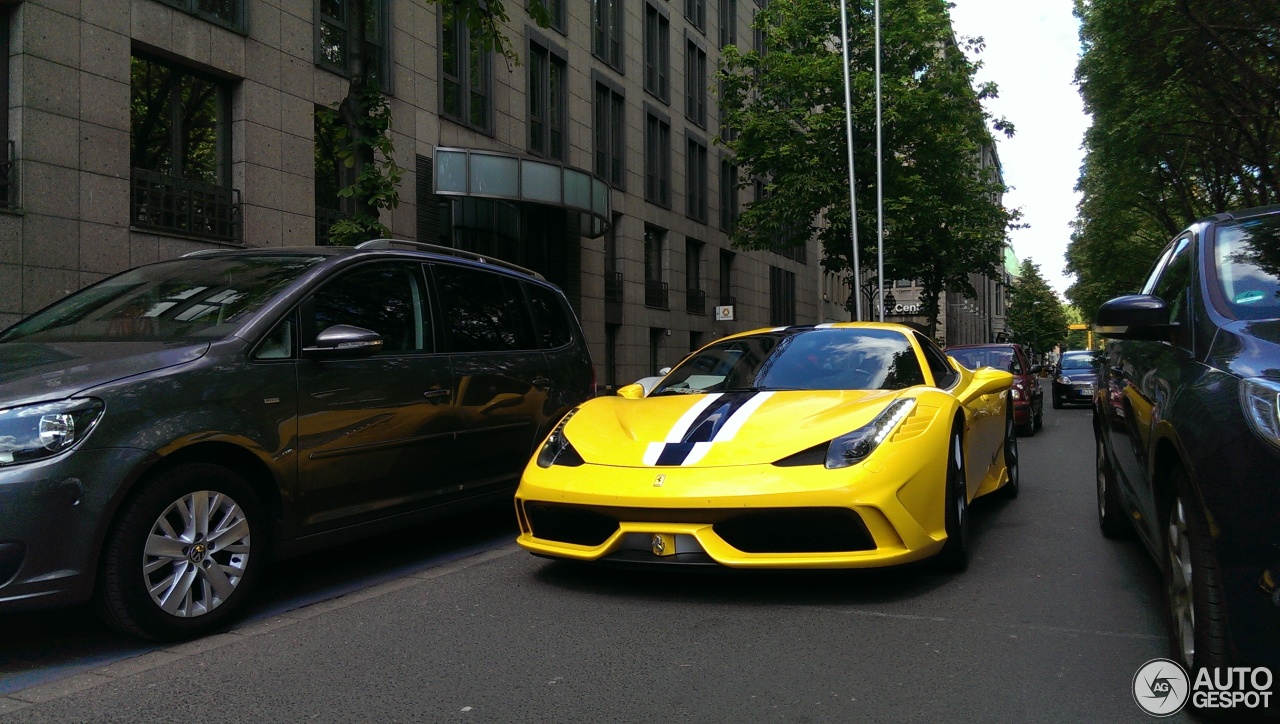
x=1261, y=401
x=35, y=432
x=557, y=450
x=856, y=446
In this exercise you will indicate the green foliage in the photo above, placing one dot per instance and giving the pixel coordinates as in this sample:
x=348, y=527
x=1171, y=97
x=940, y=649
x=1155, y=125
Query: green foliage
x=375, y=184
x=1036, y=316
x=1185, y=99
x=784, y=118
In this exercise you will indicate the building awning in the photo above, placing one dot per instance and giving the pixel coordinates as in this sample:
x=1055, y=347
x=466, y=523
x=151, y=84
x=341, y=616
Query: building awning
x=493, y=175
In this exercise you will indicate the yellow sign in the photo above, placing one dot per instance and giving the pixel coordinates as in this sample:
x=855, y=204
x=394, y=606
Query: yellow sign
x=1077, y=326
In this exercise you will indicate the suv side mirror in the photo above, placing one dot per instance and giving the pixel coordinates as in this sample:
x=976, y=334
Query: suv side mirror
x=343, y=341
x=1134, y=316
x=1036, y=369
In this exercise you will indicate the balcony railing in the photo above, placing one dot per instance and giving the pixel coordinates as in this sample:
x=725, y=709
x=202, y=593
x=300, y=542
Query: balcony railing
x=166, y=203
x=325, y=219
x=655, y=294
x=695, y=301
x=8, y=184
x=613, y=287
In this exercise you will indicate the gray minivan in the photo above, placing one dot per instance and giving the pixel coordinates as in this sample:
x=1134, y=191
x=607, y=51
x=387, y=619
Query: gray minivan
x=168, y=431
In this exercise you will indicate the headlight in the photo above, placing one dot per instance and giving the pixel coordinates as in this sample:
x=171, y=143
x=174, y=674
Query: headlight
x=557, y=450
x=1063, y=380
x=854, y=447
x=35, y=432
x=1017, y=394
x=1261, y=401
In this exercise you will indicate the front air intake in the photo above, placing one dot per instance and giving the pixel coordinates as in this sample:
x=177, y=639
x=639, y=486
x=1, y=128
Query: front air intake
x=798, y=530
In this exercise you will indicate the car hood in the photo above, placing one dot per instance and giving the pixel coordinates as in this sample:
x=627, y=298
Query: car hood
x=1079, y=376
x=734, y=428
x=31, y=371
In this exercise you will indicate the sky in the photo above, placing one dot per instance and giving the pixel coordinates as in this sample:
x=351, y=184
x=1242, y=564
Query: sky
x=1031, y=53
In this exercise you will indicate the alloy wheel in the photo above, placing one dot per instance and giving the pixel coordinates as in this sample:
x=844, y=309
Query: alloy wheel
x=196, y=553
x=1181, y=606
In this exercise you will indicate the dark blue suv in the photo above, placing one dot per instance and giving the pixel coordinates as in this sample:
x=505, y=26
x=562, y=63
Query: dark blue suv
x=168, y=431
x=1188, y=434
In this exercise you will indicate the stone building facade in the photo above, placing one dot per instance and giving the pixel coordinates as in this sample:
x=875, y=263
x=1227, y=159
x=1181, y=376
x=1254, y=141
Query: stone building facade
x=141, y=130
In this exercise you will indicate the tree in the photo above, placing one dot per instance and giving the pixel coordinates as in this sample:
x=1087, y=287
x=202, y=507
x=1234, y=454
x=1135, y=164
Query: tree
x=361, y=122
x=784, y=120
x=1185, y=99
x=1036, y=316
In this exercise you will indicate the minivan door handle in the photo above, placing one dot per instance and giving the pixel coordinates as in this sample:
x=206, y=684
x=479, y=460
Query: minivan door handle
x=437, y=394
x=542, y=383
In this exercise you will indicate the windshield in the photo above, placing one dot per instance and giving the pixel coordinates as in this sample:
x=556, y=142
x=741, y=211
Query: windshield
x=184, y=299
x=1078, y=362
x=1247, y=257
x=811, y=359
x=999, y=357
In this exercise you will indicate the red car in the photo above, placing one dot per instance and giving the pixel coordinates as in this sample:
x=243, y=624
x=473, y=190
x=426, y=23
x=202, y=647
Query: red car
x=1028, y=399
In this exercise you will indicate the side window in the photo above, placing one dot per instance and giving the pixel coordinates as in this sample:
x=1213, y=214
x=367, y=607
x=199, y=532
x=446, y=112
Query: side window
x=279, y=343
x=549, y=317
x=1015, y=365
x=943, y=374
x=385, y=298
x=483, y=312
x=1172, y=282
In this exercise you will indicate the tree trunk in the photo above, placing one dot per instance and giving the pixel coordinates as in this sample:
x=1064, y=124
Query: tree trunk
x=353, y=109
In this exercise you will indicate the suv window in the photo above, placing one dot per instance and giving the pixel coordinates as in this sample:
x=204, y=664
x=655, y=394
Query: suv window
x=943, y=374
x=483, y=312
x=549, y=317
x=384, y=298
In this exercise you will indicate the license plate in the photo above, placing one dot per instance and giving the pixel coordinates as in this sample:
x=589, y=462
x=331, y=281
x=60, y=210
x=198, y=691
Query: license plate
x=1086, y=390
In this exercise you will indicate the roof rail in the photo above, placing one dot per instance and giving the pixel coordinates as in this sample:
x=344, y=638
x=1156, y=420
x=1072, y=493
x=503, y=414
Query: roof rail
x=201, y=252
x=448, y=251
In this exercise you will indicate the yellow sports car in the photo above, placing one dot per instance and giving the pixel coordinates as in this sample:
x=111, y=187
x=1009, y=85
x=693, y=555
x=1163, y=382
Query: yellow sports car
x=837, y=446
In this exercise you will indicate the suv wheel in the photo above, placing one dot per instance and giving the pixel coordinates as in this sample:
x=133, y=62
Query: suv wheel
x=183, y=553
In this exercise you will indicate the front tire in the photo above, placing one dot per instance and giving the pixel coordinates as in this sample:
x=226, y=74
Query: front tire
x=955, y=552
x=183, y=553
x=1111, y=517
x=1010, y=489
x=1193, y=585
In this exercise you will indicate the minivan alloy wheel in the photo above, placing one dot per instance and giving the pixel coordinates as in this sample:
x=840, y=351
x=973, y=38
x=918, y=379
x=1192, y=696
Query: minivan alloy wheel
x=1181, y=604
x=196, y=554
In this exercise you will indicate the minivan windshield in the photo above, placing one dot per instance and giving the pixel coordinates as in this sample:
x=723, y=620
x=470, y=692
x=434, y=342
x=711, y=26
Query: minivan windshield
x=807, y=359
x=1247, y=257
x=1081, y=362
x=197, y=298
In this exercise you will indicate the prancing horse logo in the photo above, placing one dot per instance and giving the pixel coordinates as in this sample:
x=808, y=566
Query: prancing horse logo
x=658, y=481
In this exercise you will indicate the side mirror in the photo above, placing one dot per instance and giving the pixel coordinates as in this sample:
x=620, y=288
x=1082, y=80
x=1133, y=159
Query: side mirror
x=986, y=381
x=664, y=371
x=1036, y=369
x=343, y=341
x=634, y=391
x=1135, y=316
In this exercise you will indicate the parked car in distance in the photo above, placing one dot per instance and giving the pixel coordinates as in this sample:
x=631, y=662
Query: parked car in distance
x=168, y=431
x=1189, y=443
x=1075, y=379
x=1028, y=397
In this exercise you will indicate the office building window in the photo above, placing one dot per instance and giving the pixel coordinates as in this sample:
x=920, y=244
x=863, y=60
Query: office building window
x=466, y=79
x=655, y=349
x=657, y=160
x=695, y=341
x=655, y=287
x=782, y=297
x=696, y=180
x=696, y=12
x=227, y=13
x=548, y=96
x=333, y=39
x=695, y=297
x=606, y=25
x=180, y=145
x=657, y=53
x=559, y=18
x=610, y=121
x=728, y=195
x=695, y=83
x=728, y=22
x=726, y=277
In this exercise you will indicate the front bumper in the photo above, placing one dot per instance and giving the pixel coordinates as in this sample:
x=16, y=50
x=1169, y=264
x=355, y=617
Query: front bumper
x=52, y=517
x=750, y=516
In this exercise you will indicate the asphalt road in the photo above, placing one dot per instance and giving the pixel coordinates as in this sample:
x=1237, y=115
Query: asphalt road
x=453, y=623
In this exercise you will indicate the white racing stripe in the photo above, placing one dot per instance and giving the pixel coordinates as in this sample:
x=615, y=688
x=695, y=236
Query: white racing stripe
x=682, y=425
x=739, y=417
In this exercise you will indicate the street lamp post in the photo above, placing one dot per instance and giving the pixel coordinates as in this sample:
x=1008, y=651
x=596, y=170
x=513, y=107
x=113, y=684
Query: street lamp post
x=879, y=170
x=848, y=119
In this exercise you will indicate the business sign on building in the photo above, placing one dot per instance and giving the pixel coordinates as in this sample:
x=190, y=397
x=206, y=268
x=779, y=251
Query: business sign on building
x=902, y=309
x=724, y=313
